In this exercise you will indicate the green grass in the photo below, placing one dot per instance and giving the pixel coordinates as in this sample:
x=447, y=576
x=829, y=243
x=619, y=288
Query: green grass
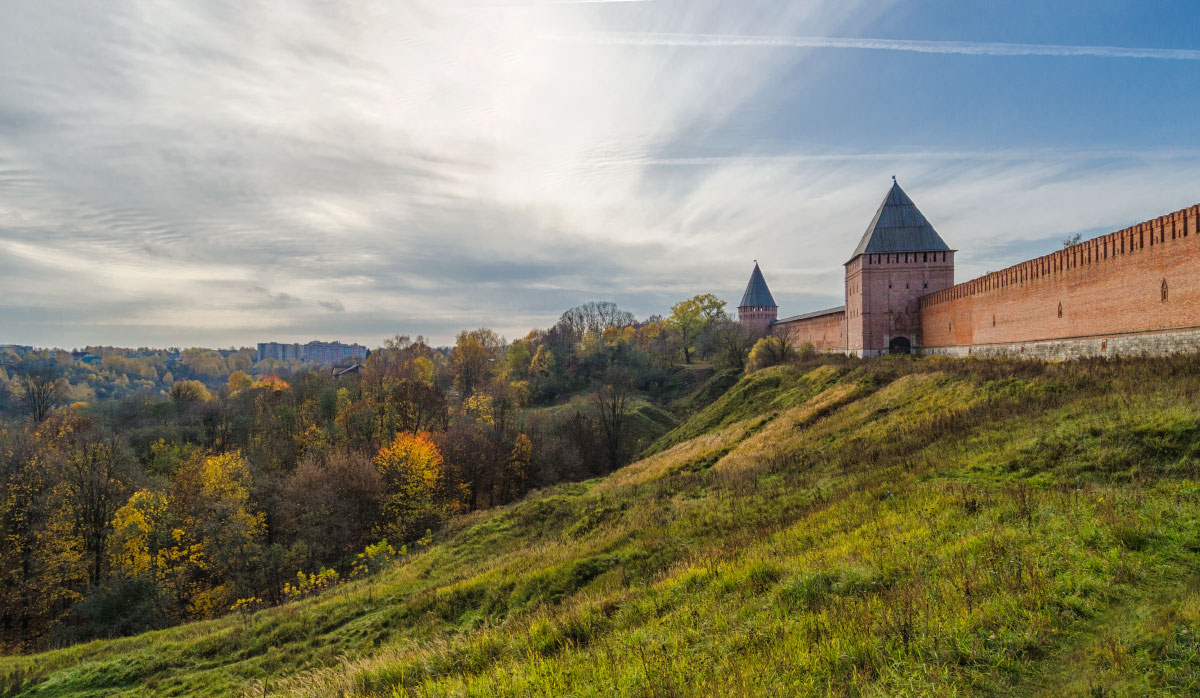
x=647, y=422
x=846, y=528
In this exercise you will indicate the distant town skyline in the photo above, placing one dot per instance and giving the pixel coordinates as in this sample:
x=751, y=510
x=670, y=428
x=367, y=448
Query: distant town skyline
x=218, y=173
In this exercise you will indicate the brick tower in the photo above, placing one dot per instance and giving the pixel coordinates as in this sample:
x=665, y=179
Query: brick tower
x=757, y=310
x=899, y=259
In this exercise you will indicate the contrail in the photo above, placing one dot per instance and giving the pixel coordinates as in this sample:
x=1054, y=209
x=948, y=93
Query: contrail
x=500, y=4
x=965, y=48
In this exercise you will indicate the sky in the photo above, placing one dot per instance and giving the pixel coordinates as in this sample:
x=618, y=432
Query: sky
x=207, y=173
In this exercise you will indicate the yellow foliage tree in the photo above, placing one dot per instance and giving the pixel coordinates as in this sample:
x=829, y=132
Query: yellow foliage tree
x=239, y=381
x=139, y=534
x=411, y=467
x=542, y=362
x=770, y=351
x=188, y=391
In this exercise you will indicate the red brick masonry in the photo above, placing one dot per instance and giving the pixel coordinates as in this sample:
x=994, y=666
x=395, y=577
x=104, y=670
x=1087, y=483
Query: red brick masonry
x=826, y=332
x=1133, y=291
x=1135, y=281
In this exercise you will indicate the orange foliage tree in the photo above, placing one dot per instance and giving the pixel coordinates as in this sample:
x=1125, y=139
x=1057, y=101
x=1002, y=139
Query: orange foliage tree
x=411, y=468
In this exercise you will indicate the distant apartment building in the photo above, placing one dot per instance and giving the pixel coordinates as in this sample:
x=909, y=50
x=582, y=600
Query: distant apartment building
x=317, y=352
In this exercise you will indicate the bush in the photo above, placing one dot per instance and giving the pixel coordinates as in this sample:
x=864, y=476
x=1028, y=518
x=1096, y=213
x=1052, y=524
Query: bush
x=771, y=351
x=115, y=608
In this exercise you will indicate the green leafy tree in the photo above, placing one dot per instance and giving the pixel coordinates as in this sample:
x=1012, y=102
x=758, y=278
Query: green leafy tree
x=691, y=318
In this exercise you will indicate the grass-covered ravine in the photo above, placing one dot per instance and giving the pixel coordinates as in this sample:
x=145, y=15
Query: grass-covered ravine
x=839, y=527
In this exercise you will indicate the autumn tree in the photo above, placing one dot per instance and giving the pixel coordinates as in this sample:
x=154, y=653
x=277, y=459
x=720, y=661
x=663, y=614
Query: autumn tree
x=220, y=531
x=27, y=604
x=188, y=392
x=92, y=471
x=141, y=530
x=332, y=505
x=474, y=353
x=41, y=388
x=770, y=351
x=691, y=318
x=411, y=470
x=239, y=381
x=541, y=364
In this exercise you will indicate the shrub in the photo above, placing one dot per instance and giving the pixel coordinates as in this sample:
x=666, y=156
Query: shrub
x=771, y=351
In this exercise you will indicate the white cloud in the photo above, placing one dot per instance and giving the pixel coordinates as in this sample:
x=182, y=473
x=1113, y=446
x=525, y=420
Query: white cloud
x=184, y=173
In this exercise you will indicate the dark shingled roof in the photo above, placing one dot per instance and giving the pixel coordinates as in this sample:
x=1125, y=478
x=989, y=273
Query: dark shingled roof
x=899, y=227
x=757, y=293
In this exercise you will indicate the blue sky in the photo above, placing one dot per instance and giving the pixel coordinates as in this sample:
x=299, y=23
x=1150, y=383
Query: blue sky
x=222, y=173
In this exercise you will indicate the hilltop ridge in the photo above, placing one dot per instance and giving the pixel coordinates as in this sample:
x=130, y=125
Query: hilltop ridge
x=894, y=527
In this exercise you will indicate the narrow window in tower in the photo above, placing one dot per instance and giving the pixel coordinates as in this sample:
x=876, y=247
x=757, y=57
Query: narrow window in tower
x=993, y=320
x=1164, y=291
x=926, y=285
x=1060, y=309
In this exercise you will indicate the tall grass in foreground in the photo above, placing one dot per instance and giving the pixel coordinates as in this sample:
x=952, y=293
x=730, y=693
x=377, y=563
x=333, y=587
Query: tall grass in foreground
x=851, y=528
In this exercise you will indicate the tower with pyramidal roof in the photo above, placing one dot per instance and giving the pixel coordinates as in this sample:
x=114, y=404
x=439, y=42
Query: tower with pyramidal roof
x=1131, y=292
x=757, y=310
x=899, y=259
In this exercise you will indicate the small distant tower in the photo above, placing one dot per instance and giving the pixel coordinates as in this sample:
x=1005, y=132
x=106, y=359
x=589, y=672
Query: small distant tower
x=757, y=310
x=899, y=259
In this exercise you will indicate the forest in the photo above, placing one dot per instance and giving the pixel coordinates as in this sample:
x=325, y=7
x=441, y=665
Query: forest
x=137, y=494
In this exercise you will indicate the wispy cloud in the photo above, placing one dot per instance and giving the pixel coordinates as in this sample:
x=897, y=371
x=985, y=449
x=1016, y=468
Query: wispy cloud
x=177, y=173
x=963, y=48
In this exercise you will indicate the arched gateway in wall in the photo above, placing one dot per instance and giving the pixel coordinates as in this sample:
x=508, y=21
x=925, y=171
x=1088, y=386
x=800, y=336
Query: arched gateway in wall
x=1134, y=291
x=899, y=258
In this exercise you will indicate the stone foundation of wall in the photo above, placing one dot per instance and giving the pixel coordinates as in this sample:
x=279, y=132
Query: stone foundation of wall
x=1148, y=344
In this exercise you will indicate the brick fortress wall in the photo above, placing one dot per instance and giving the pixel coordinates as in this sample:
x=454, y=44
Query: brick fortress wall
x=826, y=331
x=1133, y=291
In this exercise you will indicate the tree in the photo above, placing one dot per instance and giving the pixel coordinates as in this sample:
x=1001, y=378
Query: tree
x=332, y=504
x=217, y=544
x=729, y=342
x=140, y=532
x=414, y=406
x=90, y=468
x=411, y=469
x=472, y=358
x=517, y=358
x=595, y=317
x=42, y=389
x=542, y=363
x=239, y=381
x=770, y=351
x=188, y=392
x=691, y=318
x=612, y=412
x=517, y=473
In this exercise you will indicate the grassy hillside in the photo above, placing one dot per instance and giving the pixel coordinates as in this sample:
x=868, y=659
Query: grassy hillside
x=908, y=527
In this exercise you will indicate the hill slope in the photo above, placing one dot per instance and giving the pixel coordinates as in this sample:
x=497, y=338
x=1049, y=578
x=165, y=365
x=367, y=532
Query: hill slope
x=849, y=528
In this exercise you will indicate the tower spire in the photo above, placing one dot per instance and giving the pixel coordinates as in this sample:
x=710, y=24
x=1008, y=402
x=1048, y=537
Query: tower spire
x=757, y=309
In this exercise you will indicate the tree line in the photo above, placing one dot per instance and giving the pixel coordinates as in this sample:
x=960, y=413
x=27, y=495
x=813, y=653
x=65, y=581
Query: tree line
x=140, y=510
